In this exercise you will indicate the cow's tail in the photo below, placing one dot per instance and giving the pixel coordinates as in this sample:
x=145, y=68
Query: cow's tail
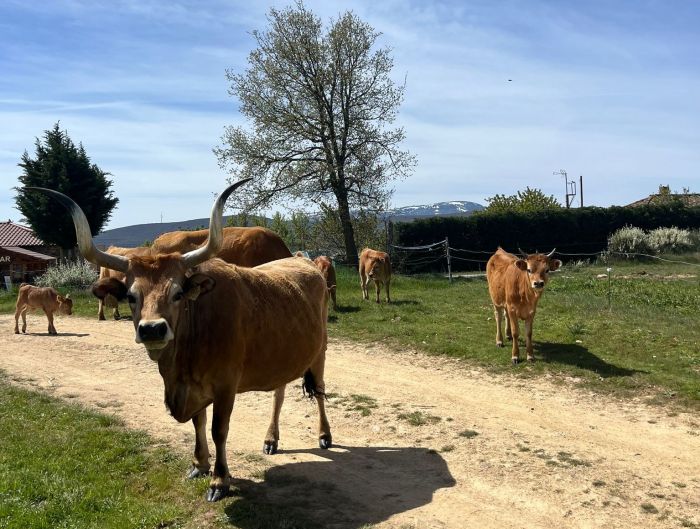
x=308, y=386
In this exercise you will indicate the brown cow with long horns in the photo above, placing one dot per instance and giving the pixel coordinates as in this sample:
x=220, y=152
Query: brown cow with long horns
x=217, y=329
x=516, y=285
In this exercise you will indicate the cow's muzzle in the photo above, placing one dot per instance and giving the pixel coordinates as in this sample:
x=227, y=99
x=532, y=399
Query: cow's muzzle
x=154, y=334
x=538, y=284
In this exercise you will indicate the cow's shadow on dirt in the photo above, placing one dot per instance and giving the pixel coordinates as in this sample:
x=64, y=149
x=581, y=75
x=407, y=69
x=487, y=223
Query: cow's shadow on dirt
x=353, y=487
x=76, y=334
x=579, y=356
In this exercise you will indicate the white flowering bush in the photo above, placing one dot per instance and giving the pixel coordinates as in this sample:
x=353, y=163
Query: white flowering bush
x=670, y=240
x=629, y=240
x=77, y=275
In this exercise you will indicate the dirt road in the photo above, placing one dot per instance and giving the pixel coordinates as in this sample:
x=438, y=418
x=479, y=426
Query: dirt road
x=494, y=452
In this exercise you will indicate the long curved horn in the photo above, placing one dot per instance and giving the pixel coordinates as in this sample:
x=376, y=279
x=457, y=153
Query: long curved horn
x=550, y=254
x=522, y=254
x=216, y=230
x=83, y=235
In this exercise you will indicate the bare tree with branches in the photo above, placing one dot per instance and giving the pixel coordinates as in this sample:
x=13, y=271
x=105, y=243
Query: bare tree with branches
x=320, y=103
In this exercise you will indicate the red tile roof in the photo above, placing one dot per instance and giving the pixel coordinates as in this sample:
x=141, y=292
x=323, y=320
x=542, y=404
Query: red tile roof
x=12, y=234
x=28, y=253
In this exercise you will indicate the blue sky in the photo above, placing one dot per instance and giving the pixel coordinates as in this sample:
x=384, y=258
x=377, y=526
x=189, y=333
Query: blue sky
x=607, y=90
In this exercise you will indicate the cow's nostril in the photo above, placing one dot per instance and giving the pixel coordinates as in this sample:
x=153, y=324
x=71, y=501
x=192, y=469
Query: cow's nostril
x=153, y=330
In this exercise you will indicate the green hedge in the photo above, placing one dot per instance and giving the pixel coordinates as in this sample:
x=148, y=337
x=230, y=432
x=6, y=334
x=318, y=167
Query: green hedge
x=578, y=230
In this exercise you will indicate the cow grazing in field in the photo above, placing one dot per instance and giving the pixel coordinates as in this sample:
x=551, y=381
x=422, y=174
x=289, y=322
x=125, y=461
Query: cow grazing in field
x=325, y=265
x=111, y=292
x=516, y=285
x=217, y=329
x=375, y=266
x=44, y=298
x=241, y=246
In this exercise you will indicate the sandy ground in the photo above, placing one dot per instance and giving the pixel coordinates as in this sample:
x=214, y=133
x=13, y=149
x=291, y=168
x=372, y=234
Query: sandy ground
x=544, y=455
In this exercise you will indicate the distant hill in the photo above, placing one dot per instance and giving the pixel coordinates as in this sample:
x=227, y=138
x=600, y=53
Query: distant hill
x=136, y=235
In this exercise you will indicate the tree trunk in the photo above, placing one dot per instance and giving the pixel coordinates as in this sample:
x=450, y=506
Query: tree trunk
x=348, y=231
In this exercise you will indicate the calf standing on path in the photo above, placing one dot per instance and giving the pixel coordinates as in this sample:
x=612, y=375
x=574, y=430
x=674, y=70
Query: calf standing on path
x=376, y=266
x=44, y=298
x=515, y=285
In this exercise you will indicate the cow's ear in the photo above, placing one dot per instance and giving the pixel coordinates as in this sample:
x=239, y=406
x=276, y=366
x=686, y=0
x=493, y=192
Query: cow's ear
x=60, y=298
x=197, y=285
x=554, y=264
x=521, y=263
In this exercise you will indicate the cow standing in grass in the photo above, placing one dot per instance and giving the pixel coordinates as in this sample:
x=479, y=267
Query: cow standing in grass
x=44, y=298
x=217, y=329
x=325, y=265
x=375, y=266
x=516, y=285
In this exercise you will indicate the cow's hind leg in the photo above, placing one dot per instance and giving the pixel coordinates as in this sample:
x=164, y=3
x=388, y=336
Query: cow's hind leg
x=200, y=462
x=100, y=309
x=315, y=387
x=364, y=280
x=528, y=340
x=273, y=432
x=20, y=310
x=498, y=315
x=221, y=480
x=515, y=330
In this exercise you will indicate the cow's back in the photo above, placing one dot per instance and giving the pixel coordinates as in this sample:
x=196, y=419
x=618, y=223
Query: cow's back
x=279, y=320
x=37, y=297
x=241, y=246
x=124, y=252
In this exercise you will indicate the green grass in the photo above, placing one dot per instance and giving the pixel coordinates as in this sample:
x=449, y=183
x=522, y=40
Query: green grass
x=647, y=342
x=62, y=466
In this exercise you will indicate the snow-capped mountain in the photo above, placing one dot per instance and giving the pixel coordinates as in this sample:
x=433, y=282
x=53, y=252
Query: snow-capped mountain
x=440, y=209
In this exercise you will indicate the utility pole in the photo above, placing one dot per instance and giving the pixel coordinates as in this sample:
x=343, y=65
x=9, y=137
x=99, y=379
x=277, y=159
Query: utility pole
x=580, y=188
x=569, y=188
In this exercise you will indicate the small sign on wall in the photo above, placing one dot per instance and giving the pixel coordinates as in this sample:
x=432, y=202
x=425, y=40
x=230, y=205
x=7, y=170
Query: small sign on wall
x=4, y=258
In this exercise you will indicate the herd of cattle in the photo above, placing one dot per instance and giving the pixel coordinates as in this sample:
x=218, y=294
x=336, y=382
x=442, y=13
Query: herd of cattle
x=230, y=310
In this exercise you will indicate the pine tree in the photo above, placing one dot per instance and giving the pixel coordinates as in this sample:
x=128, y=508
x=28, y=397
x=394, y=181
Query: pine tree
x=62, y=166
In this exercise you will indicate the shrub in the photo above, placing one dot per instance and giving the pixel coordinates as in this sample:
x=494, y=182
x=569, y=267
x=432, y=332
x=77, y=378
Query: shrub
x=629, y=240
x=671, y=240
x=69, y=274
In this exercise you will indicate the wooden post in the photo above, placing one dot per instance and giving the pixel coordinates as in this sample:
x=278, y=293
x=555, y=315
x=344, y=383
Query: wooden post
x=449, y=259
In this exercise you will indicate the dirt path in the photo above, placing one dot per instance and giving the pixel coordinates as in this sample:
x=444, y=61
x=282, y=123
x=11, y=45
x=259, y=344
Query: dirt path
x=497, y=452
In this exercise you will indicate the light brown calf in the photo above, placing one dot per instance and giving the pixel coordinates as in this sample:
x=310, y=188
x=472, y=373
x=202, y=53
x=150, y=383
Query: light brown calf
x=44, y=298
x=516, y=285
x=325, y=265
x=375, y=266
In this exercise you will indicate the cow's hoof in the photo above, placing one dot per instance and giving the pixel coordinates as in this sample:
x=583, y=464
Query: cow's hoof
x=515, y=361
x=530, y=358
x=270, y=448
x=195, y=473
x=325, y=441
x=101, y=318
x=217, y=493
x=499, y=344
x=16, y=331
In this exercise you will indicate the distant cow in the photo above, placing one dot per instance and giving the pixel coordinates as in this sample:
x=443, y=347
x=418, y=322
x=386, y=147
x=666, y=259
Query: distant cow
x=217, y=329
x=44, y=298
x=516, y=285
x=107, y=295
x=376, y=266
x=325, y=265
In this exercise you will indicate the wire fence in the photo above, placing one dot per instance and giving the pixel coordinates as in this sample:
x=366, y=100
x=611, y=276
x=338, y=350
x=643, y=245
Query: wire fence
x=440, y=255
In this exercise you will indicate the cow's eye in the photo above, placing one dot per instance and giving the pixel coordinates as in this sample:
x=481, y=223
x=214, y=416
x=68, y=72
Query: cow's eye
x=131, y=299
x=546, y=271
x=177, y=296
x=529, y=270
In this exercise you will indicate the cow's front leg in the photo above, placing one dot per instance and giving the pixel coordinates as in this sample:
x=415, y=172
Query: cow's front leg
x=49, y=315
x=200, y=462
x=221, y=481
x=388, y=299
x=377, y=288
x=515, y=331
x=364, y=280
x=528, y=339
x=273, y=432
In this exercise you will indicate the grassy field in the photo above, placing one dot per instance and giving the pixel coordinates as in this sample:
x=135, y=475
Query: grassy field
x=646, y=342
